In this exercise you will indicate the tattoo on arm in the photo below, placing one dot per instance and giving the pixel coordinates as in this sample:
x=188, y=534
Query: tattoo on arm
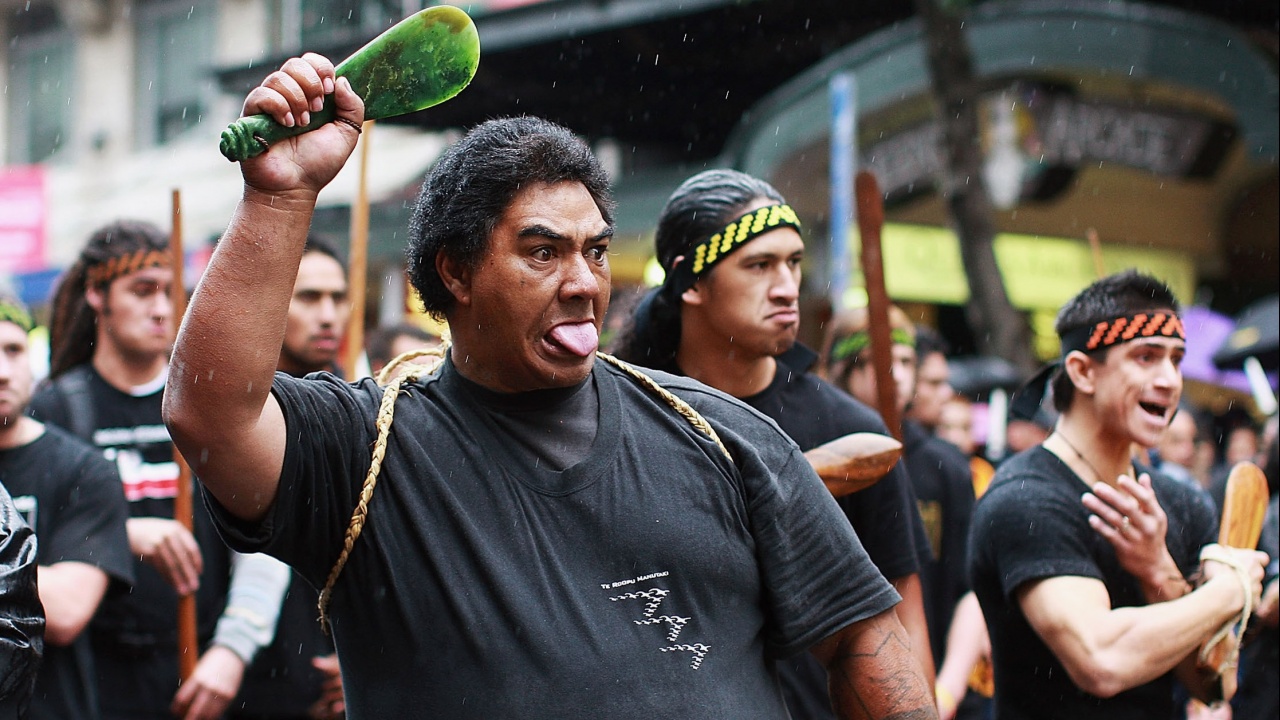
x=873, y=673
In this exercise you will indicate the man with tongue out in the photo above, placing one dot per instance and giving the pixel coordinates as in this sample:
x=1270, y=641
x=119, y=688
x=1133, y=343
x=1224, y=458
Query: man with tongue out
x=552, y=535
x=1081, y=561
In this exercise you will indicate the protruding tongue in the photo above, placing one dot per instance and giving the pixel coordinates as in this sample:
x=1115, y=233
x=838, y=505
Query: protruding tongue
x=580, y=339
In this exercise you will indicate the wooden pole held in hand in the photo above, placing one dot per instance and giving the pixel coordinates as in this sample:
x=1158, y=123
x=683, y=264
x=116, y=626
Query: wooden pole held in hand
x=870, y=222
x=188, y=643
x=358, y=260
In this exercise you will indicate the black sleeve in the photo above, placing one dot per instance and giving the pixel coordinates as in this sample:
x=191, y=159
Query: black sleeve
x=91, y=516
x=21, y=614
x=1033, y=535
x=818, y=578
x=330, y=433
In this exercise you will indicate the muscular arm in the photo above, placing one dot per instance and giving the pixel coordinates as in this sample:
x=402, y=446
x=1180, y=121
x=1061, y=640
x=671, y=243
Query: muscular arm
x=872, y=672
x=1106, y=650
x=70, y=593
x=218, y=404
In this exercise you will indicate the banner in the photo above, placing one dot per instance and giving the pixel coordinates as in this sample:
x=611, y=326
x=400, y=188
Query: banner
x=22, y=218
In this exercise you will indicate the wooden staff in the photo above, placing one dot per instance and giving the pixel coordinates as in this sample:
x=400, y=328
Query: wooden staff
x=1095, y=248
x=870, y=222
x=188, y=643
x=358, y=260
x=1243, y=509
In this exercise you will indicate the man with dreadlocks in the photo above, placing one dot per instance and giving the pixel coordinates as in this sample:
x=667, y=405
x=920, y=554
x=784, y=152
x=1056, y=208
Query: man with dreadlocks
x=110, y=338
x=552, y=534
x=728, y=316
x=1092, y=606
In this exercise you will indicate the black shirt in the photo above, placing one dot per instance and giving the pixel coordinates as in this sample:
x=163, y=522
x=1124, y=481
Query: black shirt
x=656, y=579
x=811, y=412
x=71, y=496
x=943, y=487
x=1030, y=525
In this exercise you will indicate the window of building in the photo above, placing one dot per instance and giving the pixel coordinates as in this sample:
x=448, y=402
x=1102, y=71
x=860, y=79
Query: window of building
x=174, y=44
x=322, y=24
x=41, y=60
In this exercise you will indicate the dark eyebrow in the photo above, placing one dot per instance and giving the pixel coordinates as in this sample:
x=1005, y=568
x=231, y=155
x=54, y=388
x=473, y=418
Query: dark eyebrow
x=548, y=233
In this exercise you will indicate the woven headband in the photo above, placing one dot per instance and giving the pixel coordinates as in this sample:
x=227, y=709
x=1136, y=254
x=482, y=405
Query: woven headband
x=1121, y=330
x=737, y=233
x=850, y=346
x=13, y=312
x=108, y=270
x=1099, y=336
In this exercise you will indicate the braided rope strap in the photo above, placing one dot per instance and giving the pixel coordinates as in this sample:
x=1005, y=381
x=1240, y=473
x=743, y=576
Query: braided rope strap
x=402, y=370
x=1237, y=623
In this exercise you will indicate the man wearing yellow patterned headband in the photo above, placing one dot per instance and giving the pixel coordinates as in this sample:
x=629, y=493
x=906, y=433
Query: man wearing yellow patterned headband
x=728, y=315
x=1100, y=604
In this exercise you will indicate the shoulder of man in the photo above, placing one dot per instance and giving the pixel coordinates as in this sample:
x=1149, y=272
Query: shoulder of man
x=839, y=408
x=76, y=452
x=719, y=408
x=66, y=401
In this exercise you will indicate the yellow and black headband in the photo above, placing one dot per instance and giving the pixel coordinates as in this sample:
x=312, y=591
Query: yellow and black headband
x=737, y=233
x=13, y=311
x=112, y=268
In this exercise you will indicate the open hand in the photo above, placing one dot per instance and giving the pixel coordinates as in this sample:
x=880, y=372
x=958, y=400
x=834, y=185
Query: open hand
x=211, y=688
x=168, y=547
x=1130, y=517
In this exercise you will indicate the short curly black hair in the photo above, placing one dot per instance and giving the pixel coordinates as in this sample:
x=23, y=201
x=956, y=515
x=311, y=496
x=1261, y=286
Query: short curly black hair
x=1113, y=296
x=474, y=182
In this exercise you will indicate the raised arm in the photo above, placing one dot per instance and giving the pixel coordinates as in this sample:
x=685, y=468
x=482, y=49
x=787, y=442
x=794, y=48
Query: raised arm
x=218, y=403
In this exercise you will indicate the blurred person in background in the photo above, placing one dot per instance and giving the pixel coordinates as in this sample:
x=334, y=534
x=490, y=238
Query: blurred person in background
x=932, y=386
x=112, y=329
x=70, y=496
x=387, y=343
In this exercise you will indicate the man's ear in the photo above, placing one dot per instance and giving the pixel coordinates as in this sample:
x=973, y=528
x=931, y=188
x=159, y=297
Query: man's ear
x=455, y=276
x=1082, y=370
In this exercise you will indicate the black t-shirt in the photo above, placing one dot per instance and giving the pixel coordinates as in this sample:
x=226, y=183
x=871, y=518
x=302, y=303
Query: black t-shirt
x=71, y=496
x=140, y=626
x=1030, y=525
x=943, y=487
x=811, y=412
x=657, y=579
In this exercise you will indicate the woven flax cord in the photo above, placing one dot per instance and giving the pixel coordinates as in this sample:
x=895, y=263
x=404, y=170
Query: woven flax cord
x=386, y=412
x=1236, y=624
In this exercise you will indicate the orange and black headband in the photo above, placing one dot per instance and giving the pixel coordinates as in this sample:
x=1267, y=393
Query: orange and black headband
x=1121, y=330
x=737, y=233
x=112, y=268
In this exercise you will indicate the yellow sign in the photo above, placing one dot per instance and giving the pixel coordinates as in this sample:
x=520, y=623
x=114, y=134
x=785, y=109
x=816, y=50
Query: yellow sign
x=922, y=264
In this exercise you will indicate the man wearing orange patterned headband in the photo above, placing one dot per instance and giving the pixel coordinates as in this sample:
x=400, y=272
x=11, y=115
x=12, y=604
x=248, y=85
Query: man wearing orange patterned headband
x=1096, y=607
x=112, y=328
